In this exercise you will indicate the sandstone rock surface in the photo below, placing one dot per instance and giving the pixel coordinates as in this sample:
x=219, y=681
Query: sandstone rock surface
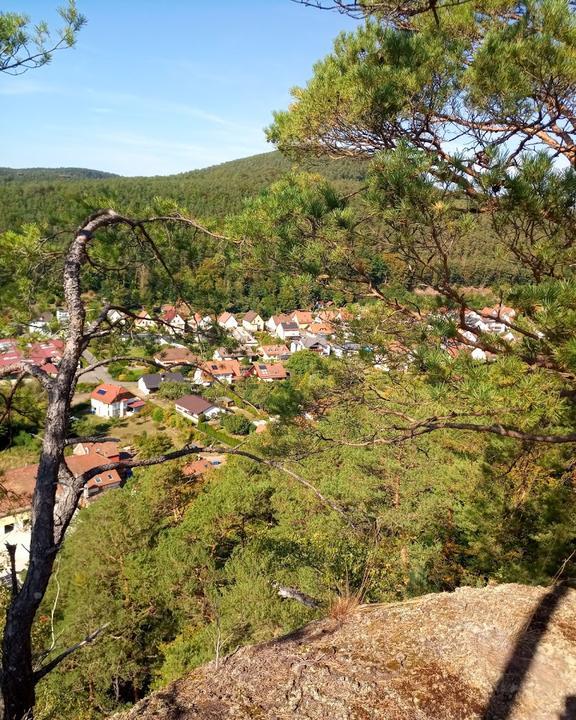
x=499, y=652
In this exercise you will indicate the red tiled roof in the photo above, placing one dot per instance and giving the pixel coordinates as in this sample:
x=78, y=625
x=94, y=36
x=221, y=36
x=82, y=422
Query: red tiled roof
x=334, y=314
x=282, y=318
x=40, y=352
x=10, y=353
x=497, y=311
x=302, y=317
x=169, y=315
x=275, y=371
x=272, y=350
x=219, y=368
x=224, y=317
x=18, y=486
x=80, y=464
x=321, y=328
x=108, y=449
x=109, y=394
x=19, y=483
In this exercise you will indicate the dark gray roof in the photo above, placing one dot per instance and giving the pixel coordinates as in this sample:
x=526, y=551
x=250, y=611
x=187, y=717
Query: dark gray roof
x=194, y=404
x=173, y=377
x=152, y=382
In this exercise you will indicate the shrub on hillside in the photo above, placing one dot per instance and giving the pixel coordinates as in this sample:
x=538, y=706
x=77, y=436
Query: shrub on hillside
x=236, y=424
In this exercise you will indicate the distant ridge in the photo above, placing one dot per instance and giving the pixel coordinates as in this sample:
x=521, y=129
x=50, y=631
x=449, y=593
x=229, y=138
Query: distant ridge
x=60, y=196
x=268, y=166
x=63, y=173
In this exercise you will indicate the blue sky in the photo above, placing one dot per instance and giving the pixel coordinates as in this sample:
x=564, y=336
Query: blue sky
x=154, y=88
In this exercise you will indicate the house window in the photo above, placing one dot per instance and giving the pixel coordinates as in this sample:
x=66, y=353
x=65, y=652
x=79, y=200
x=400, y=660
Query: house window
x=98, y=479
x=8, y=528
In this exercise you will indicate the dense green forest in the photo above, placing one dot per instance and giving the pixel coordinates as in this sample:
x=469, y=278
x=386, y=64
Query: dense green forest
x=54, y=198
x=438, y=452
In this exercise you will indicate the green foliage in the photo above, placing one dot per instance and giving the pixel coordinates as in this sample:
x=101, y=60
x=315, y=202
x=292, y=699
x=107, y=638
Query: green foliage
x=23, y=47
x=173, y=390
x=217, y=435
x=157, y=415
x=151, y=446
x=236, y=424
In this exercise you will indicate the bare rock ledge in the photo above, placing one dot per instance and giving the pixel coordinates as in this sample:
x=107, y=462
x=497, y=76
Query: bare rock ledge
x=507, y=651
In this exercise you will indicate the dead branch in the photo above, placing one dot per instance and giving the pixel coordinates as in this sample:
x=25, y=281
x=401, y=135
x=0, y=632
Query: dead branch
x=291, y=593
x=43, y=671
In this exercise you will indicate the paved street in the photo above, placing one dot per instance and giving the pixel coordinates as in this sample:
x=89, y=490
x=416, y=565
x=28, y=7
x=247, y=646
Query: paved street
x=99, y=375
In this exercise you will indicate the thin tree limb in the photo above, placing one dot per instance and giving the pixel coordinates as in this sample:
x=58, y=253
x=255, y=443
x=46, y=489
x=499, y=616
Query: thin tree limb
x=43, y=671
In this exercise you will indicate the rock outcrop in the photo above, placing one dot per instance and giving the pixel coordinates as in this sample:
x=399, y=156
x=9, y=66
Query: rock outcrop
x=505, y=652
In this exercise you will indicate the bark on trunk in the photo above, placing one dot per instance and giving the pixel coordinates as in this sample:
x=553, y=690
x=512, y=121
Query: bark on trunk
x=18, y=678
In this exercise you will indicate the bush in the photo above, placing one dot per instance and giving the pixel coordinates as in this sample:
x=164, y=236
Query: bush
x=25, y=440
x=236, y=424
x=158, y=415
x=85, y=387
x=116, y=368
x=149, y=446
x=173, y=390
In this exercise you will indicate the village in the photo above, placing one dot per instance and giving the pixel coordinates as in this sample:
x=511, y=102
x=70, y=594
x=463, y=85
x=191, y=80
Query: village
x=187, y=388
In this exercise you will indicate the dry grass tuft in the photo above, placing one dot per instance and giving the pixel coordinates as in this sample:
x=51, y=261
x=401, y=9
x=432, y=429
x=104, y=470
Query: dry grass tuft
x=344, y=605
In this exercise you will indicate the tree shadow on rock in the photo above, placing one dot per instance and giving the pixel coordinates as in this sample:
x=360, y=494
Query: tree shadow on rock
x=507, y=690
x=569, y=712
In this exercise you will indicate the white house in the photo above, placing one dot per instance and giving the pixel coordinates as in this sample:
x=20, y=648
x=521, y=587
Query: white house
x=224, y=370
x=62, y=316
x=173, y=321
x=315, y=343
x=273, y=322
x=144, y=321
x=15, y=513
x=116, y=317
x=194, y=406
x=274, y=352
x=227, y=321
x=109, y=400
x=41, y=325
x=287, y=330
x=303, y=318
x=252, y=322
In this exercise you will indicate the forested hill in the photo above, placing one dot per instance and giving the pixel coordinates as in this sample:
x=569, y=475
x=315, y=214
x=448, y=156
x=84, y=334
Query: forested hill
x=62, y=173
x=61, y=196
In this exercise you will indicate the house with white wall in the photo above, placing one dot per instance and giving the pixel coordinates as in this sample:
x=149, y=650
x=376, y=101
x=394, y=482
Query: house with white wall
x=193, y=407
x=227, y=321
x=110, y=401
x=252, y=322
x=287, y=330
